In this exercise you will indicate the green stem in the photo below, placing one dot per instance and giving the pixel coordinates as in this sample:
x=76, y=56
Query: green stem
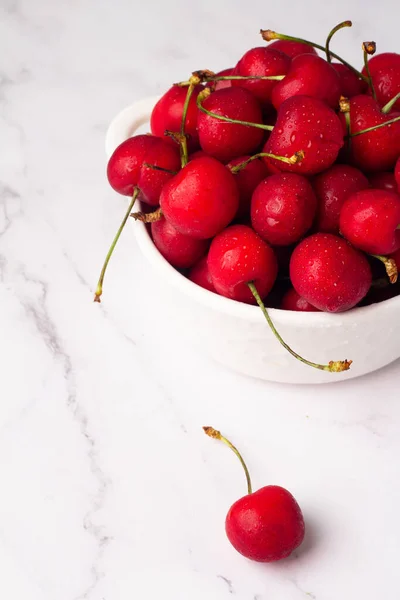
x=375, y=127
x=331, y=34
x=333, y=366
x=369, y=49
x=269, y=35
x=199, y=100
x=216, y=435
x=183, y=143
x=99, y=288
x=256, y=77
x=388, y=107
x=291, y=161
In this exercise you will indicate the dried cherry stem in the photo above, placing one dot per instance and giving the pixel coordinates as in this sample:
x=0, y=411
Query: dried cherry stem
x=157, y=168
x=205, y=93
x=334, y=366
x=216, y=435
x=344, y=107
x=388, y=107
x=99, y=288
x=268, y=35
x=375, y=127
x=369, y=48
x=390, y=266
x=330, y=36
x=151, y=217
x=292, y=160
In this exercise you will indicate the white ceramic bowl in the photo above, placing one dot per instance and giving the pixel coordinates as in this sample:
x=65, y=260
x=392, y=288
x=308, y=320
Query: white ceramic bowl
x=237, y=334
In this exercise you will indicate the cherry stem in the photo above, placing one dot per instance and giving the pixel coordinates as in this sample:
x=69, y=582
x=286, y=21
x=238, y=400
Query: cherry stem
x=99, y=288
x=209, y=76
x=388, y=107
x=216, y=435
x=336, y=366
x=369, y=49
x=205, y=93
x=390, y=266
x=151, y=217
x=375, y=127
x=157, y=168
x=331, y=34
x=183, y=140
x=269, y=35
x=292, y=160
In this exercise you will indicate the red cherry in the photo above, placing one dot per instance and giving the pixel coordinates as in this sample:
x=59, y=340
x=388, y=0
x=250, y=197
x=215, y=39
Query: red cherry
x=305, y=124
x=375, y=150
x=238, y=256
x=309, y=75
x=290, y=48
x=223, y=83
x=369, y=220
x=201, y=199
x=385, y=73
x=223, y=140
x=197, y=154
x=293, y=301
x=247, y=180
x=350, y=84
x=332, y=187
x=397, y=173
x=181, y=251
x=200, y=274
x=266, y=525
x=329, y=273
x=261, y=62
x=283, y=208
x=126, y=167
x=167, y=115
x=383, y=181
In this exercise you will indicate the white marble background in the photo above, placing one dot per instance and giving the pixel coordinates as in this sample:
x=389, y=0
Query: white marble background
x=109, y=488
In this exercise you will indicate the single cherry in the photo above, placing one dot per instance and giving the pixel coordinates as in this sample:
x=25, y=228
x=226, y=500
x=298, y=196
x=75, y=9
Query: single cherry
x=385, y=73
x=293, y=301
x=350, y=83
x=376, y=149
x=266, y=525
x=309, y=75
x=283, y=208
x=180, y=250
x=306, y=124
x=238, y=256
x=370, y=220
x=329, y=273
x=131, y=164
x=223, y=140
x=397, y=173
x=167, y=115
x=290, y=48
x=247, y=180
x=200, y=274
x=332, y=188
x=201, y=199
x=261, y=62
x=383, y=180
x=222, y=83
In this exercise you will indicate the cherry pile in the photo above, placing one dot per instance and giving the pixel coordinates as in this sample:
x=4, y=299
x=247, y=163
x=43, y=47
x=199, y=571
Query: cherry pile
x=275, y=182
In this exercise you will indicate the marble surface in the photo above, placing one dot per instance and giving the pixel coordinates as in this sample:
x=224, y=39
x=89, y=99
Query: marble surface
x=109, y=488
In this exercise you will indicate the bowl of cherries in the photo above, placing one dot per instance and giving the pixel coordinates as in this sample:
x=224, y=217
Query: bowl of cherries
x=267, y=198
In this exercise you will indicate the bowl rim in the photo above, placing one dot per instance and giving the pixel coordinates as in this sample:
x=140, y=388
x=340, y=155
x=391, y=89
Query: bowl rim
x=123, y=126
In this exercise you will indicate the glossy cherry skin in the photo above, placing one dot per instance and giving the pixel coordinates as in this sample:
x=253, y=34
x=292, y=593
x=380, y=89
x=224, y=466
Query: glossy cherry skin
x=350, y=84
x=201, y=199
x=332, y=188
x=283, y=208
x=292, y=301
x=385, y=72
x=238, y=256
x=226, y=141
x=223, y=83
x=200, y=274
x=261, y=62
x=247, y=180
x=375, y=150
x=167, y=115
x=397, y=173
x=291, y=49
x=383, y=180
x=181, y=251
x=266, y=525
x=369, y=219
x=126, y=167
x=309, y=75
x=306, y=124
x=329, y=273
